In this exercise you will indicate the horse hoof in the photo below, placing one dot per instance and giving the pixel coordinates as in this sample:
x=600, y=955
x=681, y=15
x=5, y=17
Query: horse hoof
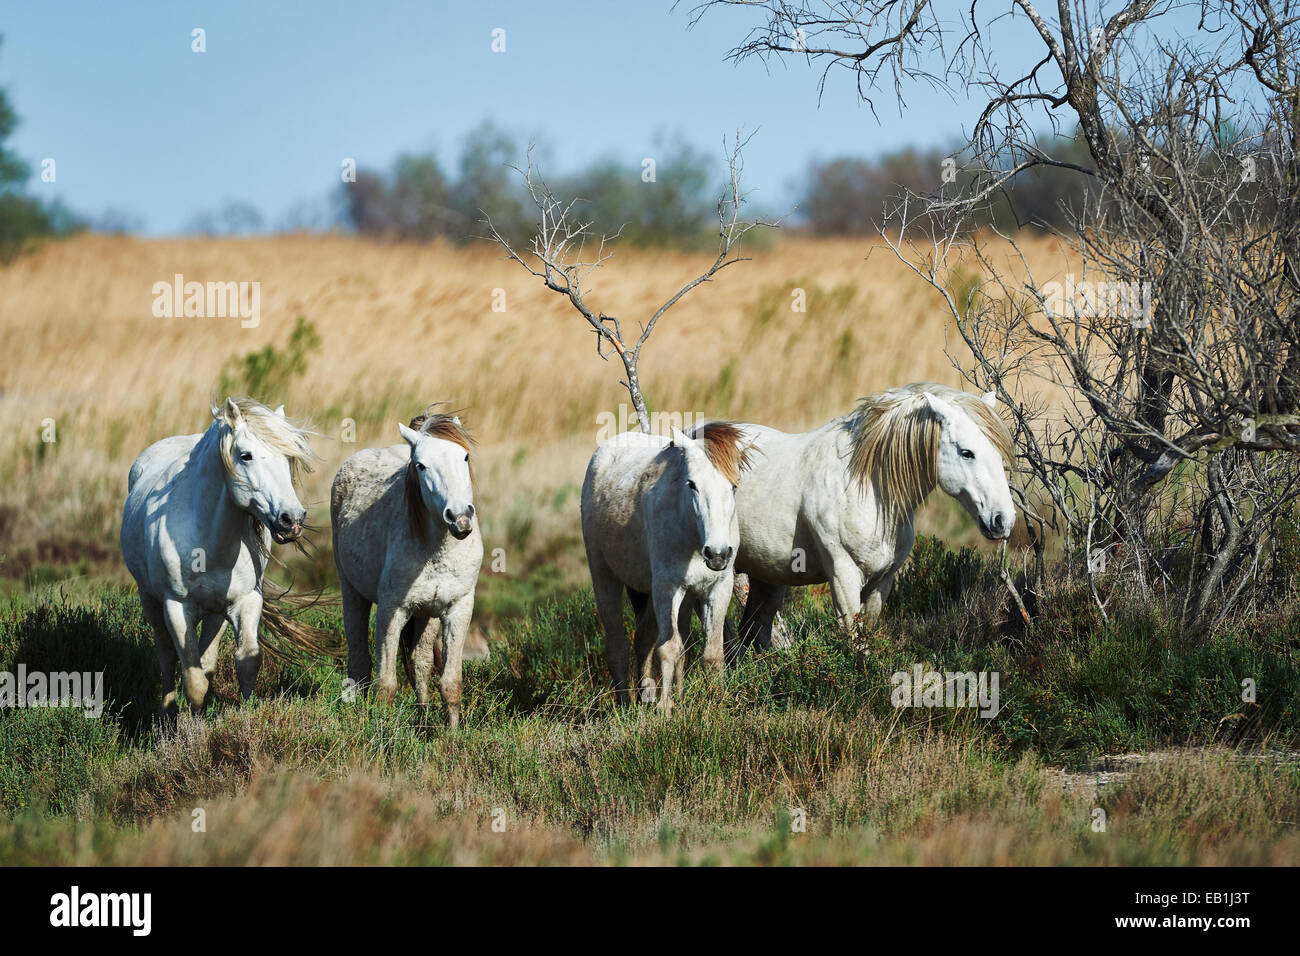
x=648, y=692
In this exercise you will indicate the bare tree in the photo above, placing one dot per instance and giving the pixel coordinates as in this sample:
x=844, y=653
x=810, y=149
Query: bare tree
x=1167, y=451
x=564, y=253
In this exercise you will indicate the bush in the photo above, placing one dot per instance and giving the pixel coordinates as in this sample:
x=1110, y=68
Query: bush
x=268, y=371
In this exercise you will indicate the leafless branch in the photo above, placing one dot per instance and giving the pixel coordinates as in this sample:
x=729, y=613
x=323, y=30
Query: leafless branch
x=558, y=255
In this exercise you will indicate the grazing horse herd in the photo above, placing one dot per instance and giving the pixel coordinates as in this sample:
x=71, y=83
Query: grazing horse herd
x=668, y=520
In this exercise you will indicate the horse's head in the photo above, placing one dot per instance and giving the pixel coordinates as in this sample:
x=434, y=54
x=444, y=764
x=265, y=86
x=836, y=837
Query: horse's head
x=969, y=467
x=711, y=497
x=441, y=469
x=260, y=450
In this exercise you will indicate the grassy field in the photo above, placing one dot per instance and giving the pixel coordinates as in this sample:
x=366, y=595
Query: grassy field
x=793, y=757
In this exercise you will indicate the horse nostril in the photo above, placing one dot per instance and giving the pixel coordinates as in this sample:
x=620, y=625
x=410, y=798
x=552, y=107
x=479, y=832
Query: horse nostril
x=285, y=520
x=469, y=511
x=997, y=521
x=449, y=516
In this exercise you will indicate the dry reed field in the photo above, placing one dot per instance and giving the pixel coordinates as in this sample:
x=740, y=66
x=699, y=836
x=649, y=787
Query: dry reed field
x=401, y=325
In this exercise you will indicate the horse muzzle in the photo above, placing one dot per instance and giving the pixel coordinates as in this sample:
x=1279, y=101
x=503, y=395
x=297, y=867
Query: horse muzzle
x=998, y=527
x=286, y=535
x=717, y=559
x=288, y=526
x=460, y=528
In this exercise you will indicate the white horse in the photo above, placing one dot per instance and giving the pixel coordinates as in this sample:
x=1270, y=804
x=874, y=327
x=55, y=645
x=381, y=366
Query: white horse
x=200, y=514
x=406, y=539
x=659, y=519
x=836, y=504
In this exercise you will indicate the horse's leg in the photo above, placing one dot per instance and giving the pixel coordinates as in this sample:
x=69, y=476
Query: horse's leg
x=731, y=642
x=182, y=622
x=425, y=656
x=388, y=635
x=210, y=643
x=647, y=636
x=668, y=601
x=765, y=600
x=713, y=617
x=356, y=627
x=733, y=649
x=411, y=633
x=874, y=597
x=455, y=625
x=609, y=606
x=245, y=616
x=846, y=590
x=166, y=647
x=750, y=623
x=689, y=607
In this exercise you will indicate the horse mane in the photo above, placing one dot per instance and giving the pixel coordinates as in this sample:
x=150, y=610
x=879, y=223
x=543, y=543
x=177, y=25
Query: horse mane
x=438, y=425
x=722, y=445
x=896, y=444
x=281, y=435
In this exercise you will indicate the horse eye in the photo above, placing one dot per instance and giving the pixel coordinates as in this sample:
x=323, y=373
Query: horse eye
x=246, y=456
x=690, y=484
x=467, y=457
x=419, y=465
x=967, y=453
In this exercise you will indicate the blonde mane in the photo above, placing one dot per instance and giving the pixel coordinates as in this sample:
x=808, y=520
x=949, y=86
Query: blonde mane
x=438, y=425
x=721, y=441
x=896, y=441
x=278, y=434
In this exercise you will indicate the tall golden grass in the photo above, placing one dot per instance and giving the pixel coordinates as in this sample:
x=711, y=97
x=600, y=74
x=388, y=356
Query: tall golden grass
x=403, y=325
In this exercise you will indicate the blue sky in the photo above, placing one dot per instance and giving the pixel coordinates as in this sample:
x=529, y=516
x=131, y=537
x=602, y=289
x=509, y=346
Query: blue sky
x=137, y=122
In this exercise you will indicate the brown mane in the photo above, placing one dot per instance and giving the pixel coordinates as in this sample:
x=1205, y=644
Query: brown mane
x=722, y=445
x=438, y=425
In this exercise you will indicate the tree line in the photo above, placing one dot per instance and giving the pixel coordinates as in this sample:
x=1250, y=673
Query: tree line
x=666, y=198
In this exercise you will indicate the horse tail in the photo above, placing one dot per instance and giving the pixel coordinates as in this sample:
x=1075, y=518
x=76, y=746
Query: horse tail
x=286, y=635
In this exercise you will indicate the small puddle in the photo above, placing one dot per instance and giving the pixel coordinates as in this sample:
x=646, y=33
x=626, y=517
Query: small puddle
x=1115, y=768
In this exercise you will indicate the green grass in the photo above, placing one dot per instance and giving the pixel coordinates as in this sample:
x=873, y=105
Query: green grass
x=810, y=729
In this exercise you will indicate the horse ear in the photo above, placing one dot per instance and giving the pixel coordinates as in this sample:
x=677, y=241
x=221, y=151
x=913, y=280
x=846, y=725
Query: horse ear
x=456, y=419
x=679, y=438
x=280, y=411
x=940, y=409
x=410, y=435
x=231, y=413
x=991, y=399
